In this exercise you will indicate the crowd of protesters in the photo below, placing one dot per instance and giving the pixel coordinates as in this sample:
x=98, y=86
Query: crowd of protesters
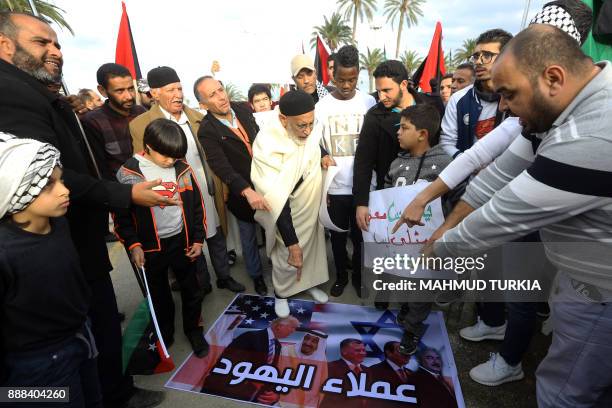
x=517, y=142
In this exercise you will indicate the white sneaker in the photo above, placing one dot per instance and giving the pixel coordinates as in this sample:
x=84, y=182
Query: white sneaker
x=496, y=372
x=281, y=307
x=318, y=295
x=480, y=331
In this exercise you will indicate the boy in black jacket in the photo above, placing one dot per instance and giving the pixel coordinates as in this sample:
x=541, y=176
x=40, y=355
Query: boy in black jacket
x=167, y=236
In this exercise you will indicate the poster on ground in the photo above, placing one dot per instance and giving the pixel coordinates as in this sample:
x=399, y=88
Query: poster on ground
x=323, y=355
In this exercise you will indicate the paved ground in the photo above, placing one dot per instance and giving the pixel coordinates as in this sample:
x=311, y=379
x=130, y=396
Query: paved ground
x=515, y=395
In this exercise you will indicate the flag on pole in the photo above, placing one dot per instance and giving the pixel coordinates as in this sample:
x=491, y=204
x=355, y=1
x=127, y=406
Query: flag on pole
x=144, y=350
x=433, y=65
x=125, y=53
x=321, y=57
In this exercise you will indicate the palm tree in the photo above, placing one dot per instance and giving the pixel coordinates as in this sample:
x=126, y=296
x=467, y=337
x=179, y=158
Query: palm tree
x=357, y=8
x=233, y=93
x=334, y=32
x=449, y=62
x=370, y=61
x=408, y=10
x=467, y=49
x=46, y=10
x=411, y=61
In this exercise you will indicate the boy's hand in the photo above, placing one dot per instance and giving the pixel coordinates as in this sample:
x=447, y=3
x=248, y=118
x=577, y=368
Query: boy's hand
x=143, y=195
x=327, y=161
x=194, y=252
x=138, y=256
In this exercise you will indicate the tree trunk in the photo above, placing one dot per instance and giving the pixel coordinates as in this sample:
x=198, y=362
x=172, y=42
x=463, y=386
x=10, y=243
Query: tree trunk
x=399, y=34
x=354, y=22
x=371, y=80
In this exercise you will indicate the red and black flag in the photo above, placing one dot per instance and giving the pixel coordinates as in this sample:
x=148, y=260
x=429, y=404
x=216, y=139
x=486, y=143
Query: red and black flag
x=433, y=65
x=320, y=62
x=126, y=50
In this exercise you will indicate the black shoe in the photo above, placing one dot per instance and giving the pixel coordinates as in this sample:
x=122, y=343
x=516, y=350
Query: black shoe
x=260, y=286
x=338, y=288
x=409, y=343
x=230, y=284
x=401, y=315
x=198, y=343
x=110, y=237
x=144, y=399
x=231, y=258
x=381, y=305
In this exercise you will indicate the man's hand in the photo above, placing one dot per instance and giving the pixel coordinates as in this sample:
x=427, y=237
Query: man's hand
x=75, y=102
x=362, y=214
x=296, y=259
x=268, y=398
x=138, y=256
x=411, y=216
x=256, y=200
x=194, y=251
x=143, y=195
x=327, y=161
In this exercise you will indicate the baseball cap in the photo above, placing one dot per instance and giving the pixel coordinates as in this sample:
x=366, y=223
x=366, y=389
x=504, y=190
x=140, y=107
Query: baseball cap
x=300, y=62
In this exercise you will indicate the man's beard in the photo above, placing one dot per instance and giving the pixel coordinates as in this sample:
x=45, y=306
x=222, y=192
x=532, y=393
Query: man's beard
x=397, y=101
x=27, y=63
x=542, y=112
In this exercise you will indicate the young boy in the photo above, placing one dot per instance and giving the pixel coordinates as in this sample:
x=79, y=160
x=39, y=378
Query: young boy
x=417, y=160
x=167, y=237
x=44, y=297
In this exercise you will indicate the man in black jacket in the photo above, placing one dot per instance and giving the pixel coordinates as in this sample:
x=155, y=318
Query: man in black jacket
x=30, y=59
x=227, y=133
x=378, y=145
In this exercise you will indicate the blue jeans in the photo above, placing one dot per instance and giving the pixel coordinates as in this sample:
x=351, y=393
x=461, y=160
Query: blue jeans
x=250, y=251
x=63, y=365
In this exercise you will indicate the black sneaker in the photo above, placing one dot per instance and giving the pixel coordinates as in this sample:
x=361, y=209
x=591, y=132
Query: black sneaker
x=338, y=288
x=409, y=343
x=230, y=284
x=198, y=343
x=401, y=315
x=142, y=398
x=260, y=286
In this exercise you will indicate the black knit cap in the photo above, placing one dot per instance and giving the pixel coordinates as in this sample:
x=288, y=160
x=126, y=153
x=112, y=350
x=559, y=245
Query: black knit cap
x=295, y=103
x=162, y=76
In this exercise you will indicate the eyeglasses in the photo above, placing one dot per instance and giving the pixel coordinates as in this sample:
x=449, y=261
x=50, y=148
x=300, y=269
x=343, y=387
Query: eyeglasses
x=486, y=56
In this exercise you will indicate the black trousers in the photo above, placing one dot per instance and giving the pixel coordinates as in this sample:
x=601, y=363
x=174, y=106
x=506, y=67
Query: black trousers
x=342, y=213
x=172, y=255
x=106, y=328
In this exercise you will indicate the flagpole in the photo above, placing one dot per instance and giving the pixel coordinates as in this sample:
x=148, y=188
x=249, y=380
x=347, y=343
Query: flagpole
x=525, y=13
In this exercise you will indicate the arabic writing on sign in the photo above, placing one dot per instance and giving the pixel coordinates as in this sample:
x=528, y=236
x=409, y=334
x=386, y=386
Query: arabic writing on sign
x=378, y=390
x=268, y=374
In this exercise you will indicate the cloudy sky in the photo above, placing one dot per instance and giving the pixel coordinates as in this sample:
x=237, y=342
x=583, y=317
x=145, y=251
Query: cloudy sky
x=253, y=40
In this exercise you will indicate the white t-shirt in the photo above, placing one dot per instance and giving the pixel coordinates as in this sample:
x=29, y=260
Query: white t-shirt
x=340, y=122
x=168, y=219
x=193, y=159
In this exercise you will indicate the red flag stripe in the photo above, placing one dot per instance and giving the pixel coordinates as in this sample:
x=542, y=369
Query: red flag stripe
x=125, y=53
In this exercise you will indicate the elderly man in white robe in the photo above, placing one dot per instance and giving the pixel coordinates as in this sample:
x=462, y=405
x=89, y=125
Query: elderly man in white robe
x=286, y=170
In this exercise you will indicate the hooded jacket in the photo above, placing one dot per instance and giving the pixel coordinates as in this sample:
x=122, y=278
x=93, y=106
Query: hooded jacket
x=407, y=169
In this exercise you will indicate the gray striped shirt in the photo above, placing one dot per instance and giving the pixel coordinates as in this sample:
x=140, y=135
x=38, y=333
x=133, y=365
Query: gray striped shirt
x=564, y=190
